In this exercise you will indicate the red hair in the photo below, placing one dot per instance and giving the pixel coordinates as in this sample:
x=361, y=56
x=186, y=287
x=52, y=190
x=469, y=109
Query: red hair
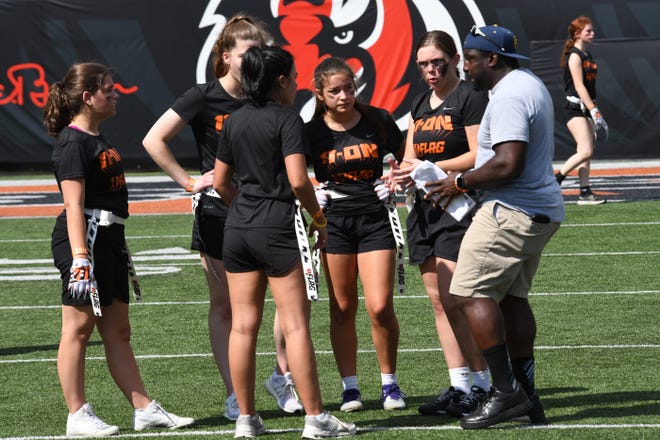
x=574, y=27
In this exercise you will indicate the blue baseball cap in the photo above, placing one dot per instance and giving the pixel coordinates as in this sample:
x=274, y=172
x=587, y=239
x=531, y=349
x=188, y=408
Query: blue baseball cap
x=493, y=39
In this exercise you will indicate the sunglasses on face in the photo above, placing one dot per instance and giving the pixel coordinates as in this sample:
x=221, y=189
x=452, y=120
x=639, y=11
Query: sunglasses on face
x=476, y=32
x=435, y=63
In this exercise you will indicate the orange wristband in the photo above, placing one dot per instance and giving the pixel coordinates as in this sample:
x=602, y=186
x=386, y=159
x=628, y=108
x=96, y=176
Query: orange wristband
x=191, y=184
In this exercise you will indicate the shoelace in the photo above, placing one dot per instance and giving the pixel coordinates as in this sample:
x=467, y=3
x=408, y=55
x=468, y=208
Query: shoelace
x=96, y=420
x=159, y=409
x=393, y=392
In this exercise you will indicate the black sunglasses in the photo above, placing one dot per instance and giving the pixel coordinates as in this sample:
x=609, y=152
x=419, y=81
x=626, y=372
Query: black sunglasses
x=476, y=32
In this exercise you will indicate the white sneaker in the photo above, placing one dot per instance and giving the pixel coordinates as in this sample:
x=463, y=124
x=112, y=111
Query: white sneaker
x=249, y=426
x=331, y=426
x=284, y=392
x=231, y=408
x=154, y=416
x=84, y=423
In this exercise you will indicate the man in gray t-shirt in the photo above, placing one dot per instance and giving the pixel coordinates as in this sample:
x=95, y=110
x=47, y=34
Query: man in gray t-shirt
x=521, y=208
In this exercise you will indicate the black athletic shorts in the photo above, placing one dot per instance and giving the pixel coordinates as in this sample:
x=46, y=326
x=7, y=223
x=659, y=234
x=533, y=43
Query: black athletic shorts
x=356, y=234
x=209, y=225
x=573, y=110
x=275, y=251
x=110, y=263
x=433, y=232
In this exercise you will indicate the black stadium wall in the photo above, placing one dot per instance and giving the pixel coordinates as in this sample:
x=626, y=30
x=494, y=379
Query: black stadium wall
x=158, y=49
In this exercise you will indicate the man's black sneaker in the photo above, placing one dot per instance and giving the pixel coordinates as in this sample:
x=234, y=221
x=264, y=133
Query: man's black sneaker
x=536, y=415
x=467, y=403
x=498, y=407
x=439, y=405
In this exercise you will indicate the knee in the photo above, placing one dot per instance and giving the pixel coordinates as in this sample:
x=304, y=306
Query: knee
x=343, y=312
x=383, y=315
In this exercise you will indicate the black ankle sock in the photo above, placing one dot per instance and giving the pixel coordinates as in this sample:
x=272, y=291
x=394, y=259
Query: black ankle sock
x=497, y=359
x=584, y=190
x=523, y=371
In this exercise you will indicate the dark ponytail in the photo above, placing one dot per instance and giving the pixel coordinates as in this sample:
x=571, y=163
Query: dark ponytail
x=260, y=71
x=65, y=97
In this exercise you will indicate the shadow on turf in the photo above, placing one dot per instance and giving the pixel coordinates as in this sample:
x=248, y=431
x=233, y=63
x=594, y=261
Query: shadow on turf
x=11, y=351
x=616, y=404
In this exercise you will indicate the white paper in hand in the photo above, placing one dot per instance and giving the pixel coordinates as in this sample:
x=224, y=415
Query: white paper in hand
x=428, y=171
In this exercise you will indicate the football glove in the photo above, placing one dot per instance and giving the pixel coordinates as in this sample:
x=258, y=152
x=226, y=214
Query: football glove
x=321, y=196
x=82, y=279
x=382, y=191
x=599, y=121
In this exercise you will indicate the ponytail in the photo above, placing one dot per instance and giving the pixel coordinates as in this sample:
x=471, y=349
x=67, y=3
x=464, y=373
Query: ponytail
x=65, y=97
x=57, y=112
x=260, y=72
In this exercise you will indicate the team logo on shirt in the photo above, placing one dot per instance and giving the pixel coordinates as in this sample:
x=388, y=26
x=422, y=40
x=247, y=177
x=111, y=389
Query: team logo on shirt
x=377, y=39
x=356, y=161
x=438, y=127
x=108, y=158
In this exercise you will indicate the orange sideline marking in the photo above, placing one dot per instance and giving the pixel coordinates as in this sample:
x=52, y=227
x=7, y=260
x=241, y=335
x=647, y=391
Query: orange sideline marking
x=182, y=205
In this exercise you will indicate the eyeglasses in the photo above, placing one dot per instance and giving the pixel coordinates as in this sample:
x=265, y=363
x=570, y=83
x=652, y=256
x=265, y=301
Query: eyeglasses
x=476, y=32
x=436, y=63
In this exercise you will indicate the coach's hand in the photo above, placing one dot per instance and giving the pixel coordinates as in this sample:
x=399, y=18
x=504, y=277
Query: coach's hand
x=441, y=192
x=82, y=279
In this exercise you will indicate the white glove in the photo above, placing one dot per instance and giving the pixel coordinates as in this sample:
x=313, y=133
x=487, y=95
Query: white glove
x=321, y=196
x=82, y=279
x=599, y=121
x=382, y=191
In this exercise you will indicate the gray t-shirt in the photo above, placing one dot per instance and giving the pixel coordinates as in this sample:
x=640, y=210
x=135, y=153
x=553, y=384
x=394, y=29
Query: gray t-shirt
x=520, y=109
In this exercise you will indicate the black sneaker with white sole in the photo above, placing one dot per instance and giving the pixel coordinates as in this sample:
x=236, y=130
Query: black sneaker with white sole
x=467, y=403
x=440, y=403
x=498, y=407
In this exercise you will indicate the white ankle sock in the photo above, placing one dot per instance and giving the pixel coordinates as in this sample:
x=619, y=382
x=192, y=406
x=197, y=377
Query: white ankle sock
x=460, y=378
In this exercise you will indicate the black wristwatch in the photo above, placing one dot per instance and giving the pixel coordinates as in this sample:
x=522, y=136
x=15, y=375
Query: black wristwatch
x=459, y=182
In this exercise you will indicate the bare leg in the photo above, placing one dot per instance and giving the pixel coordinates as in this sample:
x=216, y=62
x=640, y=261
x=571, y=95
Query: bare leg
x=247, y=291
x=282, y=365
x=341, y=276
x=219, y=317
x=462, y=335
x=376, y=271
x=115, y=330
x=583, y=133
x=77, y=327
x=436, y=277
x=292, y=304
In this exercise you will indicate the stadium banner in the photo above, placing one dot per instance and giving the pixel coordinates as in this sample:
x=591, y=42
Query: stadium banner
x=158, y=50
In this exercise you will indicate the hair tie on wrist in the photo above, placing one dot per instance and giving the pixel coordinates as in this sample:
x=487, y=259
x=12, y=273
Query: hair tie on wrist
x=320, y=225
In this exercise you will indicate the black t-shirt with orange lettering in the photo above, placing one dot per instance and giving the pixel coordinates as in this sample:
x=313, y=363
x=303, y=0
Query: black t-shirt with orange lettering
x=81, y=155
x=350, y=161
x=440, y=133
x=206, y=107
x=589, y=74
